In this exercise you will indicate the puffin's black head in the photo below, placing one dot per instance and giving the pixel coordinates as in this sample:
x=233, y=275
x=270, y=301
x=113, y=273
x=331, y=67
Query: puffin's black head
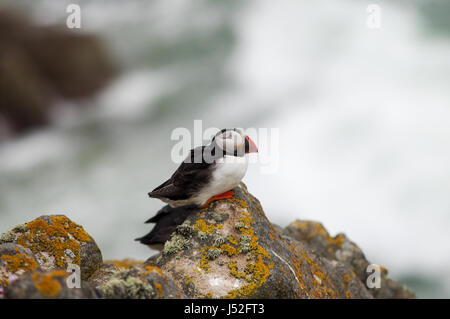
x=234, y=142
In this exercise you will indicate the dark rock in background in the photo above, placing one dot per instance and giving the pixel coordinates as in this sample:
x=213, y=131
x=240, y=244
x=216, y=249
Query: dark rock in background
x=39, y=65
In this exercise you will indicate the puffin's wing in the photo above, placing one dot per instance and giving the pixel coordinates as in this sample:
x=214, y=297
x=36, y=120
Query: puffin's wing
x=190, y=176
x=167, y=190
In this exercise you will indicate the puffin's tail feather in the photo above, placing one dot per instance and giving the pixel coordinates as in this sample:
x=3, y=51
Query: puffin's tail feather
x=166, y=221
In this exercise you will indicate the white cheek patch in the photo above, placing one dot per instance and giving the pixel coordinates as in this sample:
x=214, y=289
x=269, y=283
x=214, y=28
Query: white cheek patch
x=229, y=145
x=233, y=143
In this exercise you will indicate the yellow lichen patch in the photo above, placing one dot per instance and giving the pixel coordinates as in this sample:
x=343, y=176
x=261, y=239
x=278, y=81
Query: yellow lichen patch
x=347, y=278
x=298, y=274
x=344, y=285
x=202, y=226
x=151, y=269
x=126, y=263
x=197, y=271
x=235, y=272
x=313, y=229
x=322, y=287
x=204, y=261
x=14, y=263
x=46, y=283
x=256, y=272
x=58, y=238
x=72, y=228
x=260, y=270
x=319, y=279
x=308, y=259
x=228, y=249
x=232, y=240
x=245, y=291
x=272, y=237
x=240, y=202
x=159, y=288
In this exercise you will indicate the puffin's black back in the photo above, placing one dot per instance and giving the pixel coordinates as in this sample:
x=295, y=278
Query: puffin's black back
x=189, y=178
x=166, y=219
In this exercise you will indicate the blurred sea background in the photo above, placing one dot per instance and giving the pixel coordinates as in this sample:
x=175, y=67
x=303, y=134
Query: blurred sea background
x=363, y=117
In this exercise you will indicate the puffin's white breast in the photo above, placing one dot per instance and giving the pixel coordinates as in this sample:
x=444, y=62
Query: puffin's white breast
x=227, y=174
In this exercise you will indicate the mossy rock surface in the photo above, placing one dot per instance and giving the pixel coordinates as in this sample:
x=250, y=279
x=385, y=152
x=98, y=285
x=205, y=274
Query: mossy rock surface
x=136, y=282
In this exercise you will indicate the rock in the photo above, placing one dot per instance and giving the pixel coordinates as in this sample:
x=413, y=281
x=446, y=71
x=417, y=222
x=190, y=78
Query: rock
x=340, y=249
x=41, y=64
x=15, y=261
x=110, y=268
x=231, y=250
x=56, y=242
x=45, y=285
x=103, y=274
x=75, y=63
x=139, y=282
x=26, y=95
x=226, y=250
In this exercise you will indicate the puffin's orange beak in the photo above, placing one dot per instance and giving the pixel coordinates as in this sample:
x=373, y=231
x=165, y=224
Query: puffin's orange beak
x=250, y=146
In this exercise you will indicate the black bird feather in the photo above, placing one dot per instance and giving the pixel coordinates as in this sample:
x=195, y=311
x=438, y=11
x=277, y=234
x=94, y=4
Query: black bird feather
x=190, y=176
x=166, y=221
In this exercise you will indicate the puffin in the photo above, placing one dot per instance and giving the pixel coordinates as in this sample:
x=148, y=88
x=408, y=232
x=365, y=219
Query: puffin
x=209, y=172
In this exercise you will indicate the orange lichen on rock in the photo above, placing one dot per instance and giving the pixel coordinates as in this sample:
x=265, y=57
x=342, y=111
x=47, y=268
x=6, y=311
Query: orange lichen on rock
x=319, y=277
x=57, y=238
x=159, y=288
x=228, y=249
x=72, y=228
x=272, y=237
x=151, y=269
x=46, y=283
x=14, y=263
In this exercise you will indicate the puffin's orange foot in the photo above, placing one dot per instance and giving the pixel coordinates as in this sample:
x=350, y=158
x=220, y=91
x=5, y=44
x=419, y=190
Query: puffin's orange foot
x=227, y=194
